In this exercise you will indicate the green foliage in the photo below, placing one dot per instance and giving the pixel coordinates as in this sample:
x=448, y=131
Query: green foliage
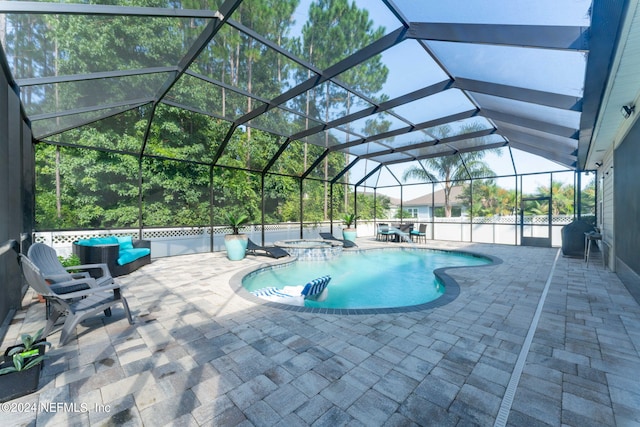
x=588, y=199
x=441, y=212
x=451, y=169
x=19, y=365
x=28, y=342
x=349, y=218
x=236, y=222
x=167, y=179
x=69, y=261
x=366, y=206
x=488, y=199
x=400, y=214
x=562, y=202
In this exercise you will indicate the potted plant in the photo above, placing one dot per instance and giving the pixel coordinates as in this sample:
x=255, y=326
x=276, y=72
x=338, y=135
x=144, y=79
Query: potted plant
x=236, y=243
x=349, y=233
x=19, y=373
x=30, y=346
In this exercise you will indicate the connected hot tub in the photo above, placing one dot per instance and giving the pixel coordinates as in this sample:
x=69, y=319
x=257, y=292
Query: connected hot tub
x=311, y=250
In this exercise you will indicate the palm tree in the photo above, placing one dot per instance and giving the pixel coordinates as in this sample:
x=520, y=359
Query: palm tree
x=450, y=169
x=488, y=198
x=562, y=196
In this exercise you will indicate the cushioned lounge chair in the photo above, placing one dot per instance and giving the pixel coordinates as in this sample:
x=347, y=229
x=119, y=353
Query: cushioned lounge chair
x=295, y=295
x=61, y=280
x=272, y=251
x=77, y=305
x=345, y=243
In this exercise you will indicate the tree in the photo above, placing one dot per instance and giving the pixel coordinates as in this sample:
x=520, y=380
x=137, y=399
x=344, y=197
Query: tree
x=366, y=205
x=488, y=198
x=335, y=30
x=102, y=189
x=588, y=198
x=450, y=170
x=562, y=196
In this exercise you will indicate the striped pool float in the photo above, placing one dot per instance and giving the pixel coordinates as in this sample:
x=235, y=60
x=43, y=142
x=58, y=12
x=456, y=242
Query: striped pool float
x=310, y=290
x=270, y=292
x=315, y=286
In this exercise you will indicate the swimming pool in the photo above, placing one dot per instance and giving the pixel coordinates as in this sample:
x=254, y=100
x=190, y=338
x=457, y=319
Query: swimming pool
x=371, y=279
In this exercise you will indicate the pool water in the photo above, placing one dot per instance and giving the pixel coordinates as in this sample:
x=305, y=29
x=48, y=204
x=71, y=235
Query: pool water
x=369, y=279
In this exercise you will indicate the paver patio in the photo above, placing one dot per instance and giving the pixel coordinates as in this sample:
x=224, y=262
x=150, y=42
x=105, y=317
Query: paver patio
x=200, y=354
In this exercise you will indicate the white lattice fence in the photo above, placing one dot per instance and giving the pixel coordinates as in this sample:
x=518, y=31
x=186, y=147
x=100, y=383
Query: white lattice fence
x=173, y=241
x=510, y=219
x=149, y=234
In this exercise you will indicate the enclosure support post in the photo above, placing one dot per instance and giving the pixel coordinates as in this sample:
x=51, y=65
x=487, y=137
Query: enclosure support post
x=401, y=207
x=301, y=209
x=355, y=205
x=471, y=209
x=211, y=245
x=331, y=208
x=433, y=210
x=375, y=210
x=140, y=198
x=577, y=184
x=262, y=210
x=516, y=212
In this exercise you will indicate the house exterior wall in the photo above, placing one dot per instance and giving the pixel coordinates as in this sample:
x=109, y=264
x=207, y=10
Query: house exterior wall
x=605, y=209
x=424, y=212
x=626, y=210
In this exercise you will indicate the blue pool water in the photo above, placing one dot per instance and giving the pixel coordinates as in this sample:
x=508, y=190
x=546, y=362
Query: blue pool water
x=369, y=279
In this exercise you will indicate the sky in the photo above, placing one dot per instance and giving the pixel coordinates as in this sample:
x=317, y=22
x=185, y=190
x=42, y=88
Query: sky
x=550, y=70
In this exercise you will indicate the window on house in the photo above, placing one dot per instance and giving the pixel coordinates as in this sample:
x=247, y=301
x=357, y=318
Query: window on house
x=456, y=211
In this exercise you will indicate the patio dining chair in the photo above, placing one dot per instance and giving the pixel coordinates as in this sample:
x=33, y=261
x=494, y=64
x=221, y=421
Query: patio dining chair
x=382, y=232
x=77, y=305
x=420, y=234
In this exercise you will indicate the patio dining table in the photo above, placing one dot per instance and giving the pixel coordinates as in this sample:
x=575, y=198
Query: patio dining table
x=401, y=232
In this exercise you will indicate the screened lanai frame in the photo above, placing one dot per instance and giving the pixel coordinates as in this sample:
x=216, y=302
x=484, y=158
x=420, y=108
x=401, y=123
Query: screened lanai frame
x=508, y=227
x=552, y=124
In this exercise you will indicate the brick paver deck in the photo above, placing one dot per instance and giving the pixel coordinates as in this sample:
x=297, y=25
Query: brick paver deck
x=200, y=354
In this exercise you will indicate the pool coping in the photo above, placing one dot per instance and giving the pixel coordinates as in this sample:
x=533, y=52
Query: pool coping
x=451, y=286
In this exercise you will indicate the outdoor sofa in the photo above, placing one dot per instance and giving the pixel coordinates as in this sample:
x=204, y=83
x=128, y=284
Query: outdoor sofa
x=121, y=254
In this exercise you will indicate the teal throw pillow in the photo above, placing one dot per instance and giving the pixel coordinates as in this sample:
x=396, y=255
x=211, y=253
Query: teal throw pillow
x=96, y=241
x=125, y=242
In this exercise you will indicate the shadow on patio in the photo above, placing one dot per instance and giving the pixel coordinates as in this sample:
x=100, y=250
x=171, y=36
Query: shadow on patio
x=201, y=355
